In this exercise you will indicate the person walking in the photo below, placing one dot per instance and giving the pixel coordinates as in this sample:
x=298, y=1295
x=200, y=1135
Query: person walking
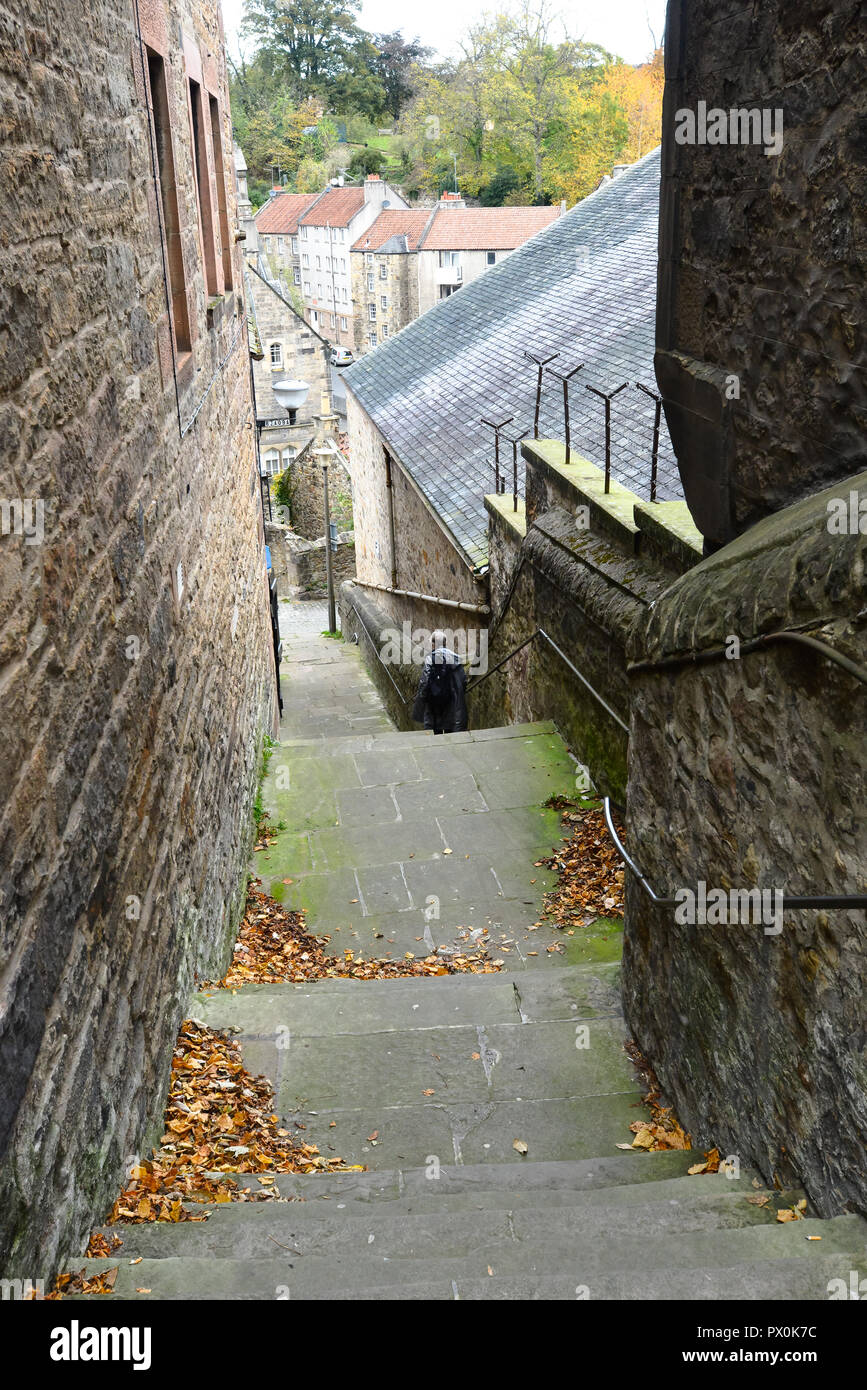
x=441, y=700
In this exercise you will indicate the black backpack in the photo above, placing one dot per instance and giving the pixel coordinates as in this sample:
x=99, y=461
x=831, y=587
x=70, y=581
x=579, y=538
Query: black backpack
x=440, y=688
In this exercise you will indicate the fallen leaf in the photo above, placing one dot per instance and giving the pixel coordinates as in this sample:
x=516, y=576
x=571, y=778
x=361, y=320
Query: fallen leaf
x=520, y=1146
x=428, y=1093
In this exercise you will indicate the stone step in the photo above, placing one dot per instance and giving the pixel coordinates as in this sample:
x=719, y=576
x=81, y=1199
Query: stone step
x=333, y=1007
x=416, y=737
x=515, y=1183
x=589, y=1222
x=762, y=1261
x=414, y=1193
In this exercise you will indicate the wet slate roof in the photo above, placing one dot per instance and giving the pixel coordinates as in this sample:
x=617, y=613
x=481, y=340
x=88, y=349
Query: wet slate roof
x=584, y=287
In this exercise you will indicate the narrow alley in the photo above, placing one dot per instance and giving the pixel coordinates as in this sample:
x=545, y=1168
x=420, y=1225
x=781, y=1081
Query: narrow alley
x=489, y=1111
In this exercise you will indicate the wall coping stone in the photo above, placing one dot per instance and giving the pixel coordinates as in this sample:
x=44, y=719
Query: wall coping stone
x=612, y=510
x=501, y=506
x=671, y=526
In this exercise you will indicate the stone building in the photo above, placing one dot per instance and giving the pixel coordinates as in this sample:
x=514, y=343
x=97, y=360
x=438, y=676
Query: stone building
x=408, y=261
x=291, y=351
x=276, y=225
x=385, y=276
x=326, y=232
x=136, y=663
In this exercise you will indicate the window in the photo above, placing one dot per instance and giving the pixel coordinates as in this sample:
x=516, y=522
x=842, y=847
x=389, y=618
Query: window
x=344, y=324
x=368, y=258
x=345, y=296
x=385, y=330
x=271, y=461
x=314, y=316
x=306, y=287
x=288, y=457
x=383, y=270
x=295, y=246
x=492, y=257
x=305, y=261
x=303, y=233
x=276, y=355
x=371, y=312
x=279, y=246
x=371, y=284
x=383, y=301
x=296, y=276
x=332, y=320
x=159, y=110
x=220, y=176
x=318, y=262
x=371, y=338
x=203, y=187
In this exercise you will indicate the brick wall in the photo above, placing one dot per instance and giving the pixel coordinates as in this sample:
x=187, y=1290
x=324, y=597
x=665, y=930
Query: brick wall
x=135, y=667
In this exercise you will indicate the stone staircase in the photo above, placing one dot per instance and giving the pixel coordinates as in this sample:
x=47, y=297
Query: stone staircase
x=405, y=843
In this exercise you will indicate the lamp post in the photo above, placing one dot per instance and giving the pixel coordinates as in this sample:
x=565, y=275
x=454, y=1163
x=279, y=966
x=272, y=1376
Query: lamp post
x=324, y=457
x=290, y=396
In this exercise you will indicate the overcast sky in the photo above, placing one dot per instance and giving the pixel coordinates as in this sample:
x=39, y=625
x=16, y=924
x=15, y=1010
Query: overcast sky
x=621, y=26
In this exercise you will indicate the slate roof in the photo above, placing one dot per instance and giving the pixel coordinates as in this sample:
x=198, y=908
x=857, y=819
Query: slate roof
x=583, y=287
x=336, y=208
x=485, y=229
x=394, y=223
x=280, y=214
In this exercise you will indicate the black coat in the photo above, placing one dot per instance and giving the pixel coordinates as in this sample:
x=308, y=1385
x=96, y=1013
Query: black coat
x=452, y=717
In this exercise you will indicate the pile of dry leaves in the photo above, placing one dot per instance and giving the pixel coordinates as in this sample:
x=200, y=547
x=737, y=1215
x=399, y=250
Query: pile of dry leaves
x=590, y=869
x=275, y=947
x=219, y=1119
x=662, y=1130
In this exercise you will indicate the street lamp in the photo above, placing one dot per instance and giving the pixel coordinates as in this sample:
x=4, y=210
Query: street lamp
x=324, y=457
x=291, y=395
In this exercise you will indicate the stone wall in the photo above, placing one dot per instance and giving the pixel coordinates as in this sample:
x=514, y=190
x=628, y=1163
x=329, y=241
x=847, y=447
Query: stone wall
x=300, y=565
x=135, y=664
x=585, y=567
x=752, y=771
x=762, y=272
x=425, y=558
x=307, y=487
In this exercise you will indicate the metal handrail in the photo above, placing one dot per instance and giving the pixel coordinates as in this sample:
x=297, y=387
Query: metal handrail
x=789, y=900
x=698, y=657
x=400, y=696
x=540, y=632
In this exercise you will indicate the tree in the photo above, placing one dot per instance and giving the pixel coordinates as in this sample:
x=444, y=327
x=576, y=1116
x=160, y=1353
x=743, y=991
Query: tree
x=638, y=91
x=317, y=49
x=394, y=64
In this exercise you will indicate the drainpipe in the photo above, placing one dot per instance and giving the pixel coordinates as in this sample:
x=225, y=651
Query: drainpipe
x=390, y=490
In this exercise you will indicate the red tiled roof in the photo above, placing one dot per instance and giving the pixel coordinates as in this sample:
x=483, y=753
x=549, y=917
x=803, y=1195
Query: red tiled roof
x=485, y=229
x=337, y=207
x=397, y=222
x=281, y=214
